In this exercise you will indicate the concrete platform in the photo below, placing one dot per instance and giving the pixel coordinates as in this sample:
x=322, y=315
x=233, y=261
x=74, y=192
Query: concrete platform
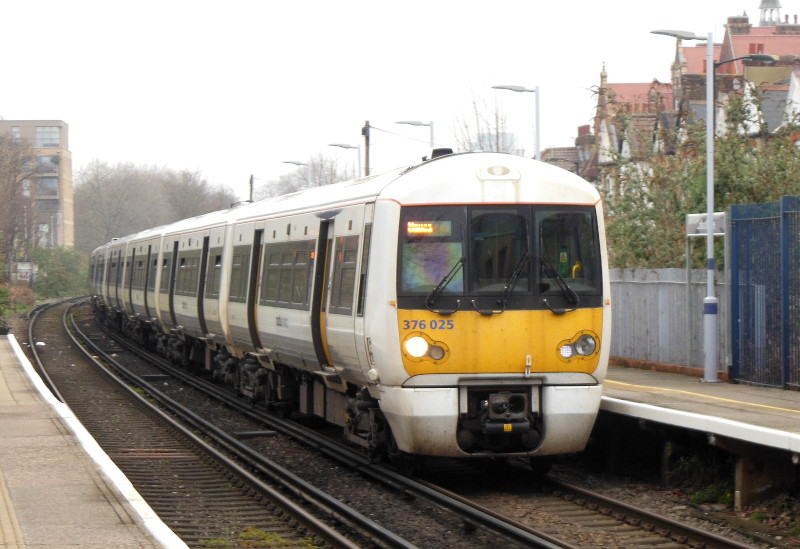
x=58, y=489
x=759, y=415
x=759, y=425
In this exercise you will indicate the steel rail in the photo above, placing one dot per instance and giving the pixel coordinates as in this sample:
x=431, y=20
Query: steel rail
x=329, y=505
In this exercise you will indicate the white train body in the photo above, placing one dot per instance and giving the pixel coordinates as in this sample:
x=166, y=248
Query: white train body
x=460, y=307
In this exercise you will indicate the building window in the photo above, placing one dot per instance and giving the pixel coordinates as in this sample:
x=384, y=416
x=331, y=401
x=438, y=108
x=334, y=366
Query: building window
x=46, y=187
x=15, y=133
x=48, y=136
x=47, y=164
x=48, y=205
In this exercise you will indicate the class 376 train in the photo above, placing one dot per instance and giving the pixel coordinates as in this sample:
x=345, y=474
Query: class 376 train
x=459, y=307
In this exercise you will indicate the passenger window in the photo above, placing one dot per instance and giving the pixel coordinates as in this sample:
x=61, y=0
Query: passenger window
x=344, y=275
x=239, y=273
x=213, y=271
x=286, y=274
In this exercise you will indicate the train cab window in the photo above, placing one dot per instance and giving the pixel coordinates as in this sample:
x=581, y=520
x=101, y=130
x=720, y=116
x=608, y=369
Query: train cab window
x=431, y=250
x=569, y=249
x=498, y=246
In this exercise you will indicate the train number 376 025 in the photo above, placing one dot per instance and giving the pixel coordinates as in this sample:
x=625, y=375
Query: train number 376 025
x=428, y=324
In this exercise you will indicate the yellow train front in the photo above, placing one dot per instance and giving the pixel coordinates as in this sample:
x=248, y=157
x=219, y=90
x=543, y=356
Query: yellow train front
x=501, y=315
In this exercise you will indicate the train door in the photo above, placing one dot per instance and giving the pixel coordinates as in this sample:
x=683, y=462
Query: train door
x=201, y=288
x=146, y=281
x=345, y=236
x=172, y=266
x=319, y=295
x=252, y=287
x=361, y=337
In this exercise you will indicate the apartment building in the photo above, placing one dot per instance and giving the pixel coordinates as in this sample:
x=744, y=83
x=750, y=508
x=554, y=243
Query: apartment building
x=50, y=169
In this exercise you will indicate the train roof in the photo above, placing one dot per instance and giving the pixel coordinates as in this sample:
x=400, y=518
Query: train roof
x=454, y=178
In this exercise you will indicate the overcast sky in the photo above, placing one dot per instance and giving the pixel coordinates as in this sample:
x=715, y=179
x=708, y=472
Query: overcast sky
x=238, y=87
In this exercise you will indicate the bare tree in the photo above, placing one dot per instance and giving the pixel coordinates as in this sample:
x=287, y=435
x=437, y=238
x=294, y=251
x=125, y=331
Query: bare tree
x=319, y=171
x=189, y=194
x=484, y=129
x=123, y=199
x=17, y=215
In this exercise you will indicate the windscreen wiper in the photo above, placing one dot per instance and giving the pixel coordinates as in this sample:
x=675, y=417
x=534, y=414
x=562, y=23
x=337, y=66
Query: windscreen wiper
x=508, y=288
x=430, y=300
x=568, y=292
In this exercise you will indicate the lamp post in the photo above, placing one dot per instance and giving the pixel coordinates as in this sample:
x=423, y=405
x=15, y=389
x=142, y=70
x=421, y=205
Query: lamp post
x=346, y=146
x=308, y=170
x=418, y=123
x=710, y=303
x=535, y=90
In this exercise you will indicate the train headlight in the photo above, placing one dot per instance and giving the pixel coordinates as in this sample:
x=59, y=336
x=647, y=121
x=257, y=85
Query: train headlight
x=436, y=352
x=586, y=345
x=417, y=346
x=583, y=345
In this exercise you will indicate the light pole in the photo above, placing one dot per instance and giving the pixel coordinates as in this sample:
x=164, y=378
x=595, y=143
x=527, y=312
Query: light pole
x=308, y=170
x=535, y=91
x=710, y=303
x=346, y=146
x=417, y=123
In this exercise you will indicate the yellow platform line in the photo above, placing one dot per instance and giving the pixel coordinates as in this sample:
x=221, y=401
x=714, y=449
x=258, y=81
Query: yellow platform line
x=10, y=531
x=710, y=397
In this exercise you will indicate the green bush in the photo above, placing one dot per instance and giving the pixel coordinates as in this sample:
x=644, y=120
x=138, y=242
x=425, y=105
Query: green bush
x=61, y=273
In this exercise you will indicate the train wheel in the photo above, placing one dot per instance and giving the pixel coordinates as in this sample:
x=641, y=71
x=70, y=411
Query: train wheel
x=540, y=466
x=407, y=464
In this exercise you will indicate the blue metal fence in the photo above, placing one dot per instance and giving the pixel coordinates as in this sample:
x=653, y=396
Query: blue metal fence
x=765, y=292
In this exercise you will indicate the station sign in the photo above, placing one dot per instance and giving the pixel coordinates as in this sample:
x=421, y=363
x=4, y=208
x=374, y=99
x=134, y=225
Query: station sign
x=696, y=224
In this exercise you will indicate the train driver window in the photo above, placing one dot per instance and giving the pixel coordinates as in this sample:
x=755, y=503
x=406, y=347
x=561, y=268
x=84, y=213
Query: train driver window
x=431, y=249
x=569, y=248
x=498, y=249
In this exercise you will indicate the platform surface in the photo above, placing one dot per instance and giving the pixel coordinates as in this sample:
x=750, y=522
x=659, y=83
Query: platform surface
x=756, y=414
x=58, y=489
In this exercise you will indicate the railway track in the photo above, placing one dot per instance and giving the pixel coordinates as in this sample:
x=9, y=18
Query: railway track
x=566, y=518
x=197, y=492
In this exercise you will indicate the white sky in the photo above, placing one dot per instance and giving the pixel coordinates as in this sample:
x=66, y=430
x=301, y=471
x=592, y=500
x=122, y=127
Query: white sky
x=237, y=87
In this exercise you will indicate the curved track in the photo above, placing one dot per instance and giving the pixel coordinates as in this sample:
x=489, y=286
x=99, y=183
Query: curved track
x=206, y=499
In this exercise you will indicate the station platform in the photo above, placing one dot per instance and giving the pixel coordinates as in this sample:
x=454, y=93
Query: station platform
x=57, y=487
x=759, y=415
x=760, y=426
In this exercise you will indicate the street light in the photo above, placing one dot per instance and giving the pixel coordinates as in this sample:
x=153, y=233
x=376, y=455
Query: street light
x=308, y=170
x=535, y=90
x=417, y=123
x=710, y=303
x=346, y=146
